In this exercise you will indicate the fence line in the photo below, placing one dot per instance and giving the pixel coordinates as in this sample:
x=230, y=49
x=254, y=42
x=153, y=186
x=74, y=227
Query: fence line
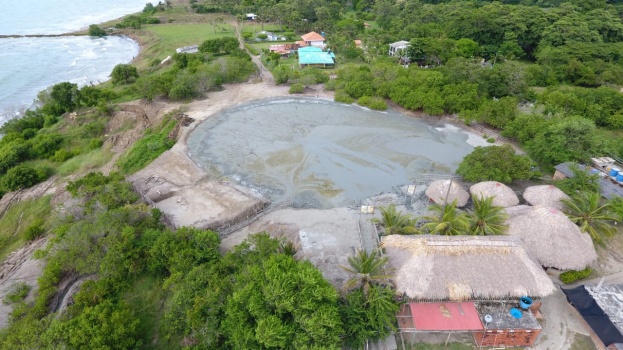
x=231, y=227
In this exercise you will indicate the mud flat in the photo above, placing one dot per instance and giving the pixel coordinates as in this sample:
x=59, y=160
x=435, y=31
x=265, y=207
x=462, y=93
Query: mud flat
x=321, y=154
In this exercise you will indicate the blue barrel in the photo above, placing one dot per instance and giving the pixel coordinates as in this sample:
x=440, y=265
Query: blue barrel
x=525, y=302
x=614, y=172
x=620, y=177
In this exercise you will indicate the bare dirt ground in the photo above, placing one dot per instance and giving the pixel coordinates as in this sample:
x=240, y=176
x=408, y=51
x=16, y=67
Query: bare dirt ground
x=19, y=267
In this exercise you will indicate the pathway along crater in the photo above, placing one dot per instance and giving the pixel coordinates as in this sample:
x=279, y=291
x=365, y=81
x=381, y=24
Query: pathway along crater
x=322, y=154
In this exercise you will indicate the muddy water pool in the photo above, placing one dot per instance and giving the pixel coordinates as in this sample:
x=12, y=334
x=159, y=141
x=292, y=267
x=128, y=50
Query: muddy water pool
x=322, y=154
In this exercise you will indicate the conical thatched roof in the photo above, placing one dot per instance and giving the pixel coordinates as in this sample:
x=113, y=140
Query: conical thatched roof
x=545, y=195
x=464, y=267
x=503, y=196
x=553, y=239
x=438, y=190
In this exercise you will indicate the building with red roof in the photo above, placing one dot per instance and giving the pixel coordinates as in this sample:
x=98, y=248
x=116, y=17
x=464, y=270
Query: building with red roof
x=313, y=39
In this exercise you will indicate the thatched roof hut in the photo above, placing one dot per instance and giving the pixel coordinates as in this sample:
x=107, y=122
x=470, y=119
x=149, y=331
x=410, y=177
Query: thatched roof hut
x=552, y=238
x=503, y=196
x=464, y=268
x=438, y=190
x=545, y=195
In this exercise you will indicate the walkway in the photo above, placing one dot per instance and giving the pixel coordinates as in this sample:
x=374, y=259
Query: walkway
x=265, y=75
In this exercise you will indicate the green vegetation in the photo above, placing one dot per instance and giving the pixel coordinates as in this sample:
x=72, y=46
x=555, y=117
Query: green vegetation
x=581, y=181
x=571, y=276
x=151, y=287
x=95, y=30
x=395, y=223
x=296, y=88
x=153, y=144
x=366, y=269
x=124, y=73
x=495, y=163
x=17, y=292
x=445, y=220
x=586, y=210
x=486, y=218
x=18, y=219
x=372, y=103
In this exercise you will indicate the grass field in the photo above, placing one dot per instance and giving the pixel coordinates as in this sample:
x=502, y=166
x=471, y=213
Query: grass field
x=160, y=41
x=255, y=27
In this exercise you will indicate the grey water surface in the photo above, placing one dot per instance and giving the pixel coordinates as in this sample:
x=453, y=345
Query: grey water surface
x=322, y=154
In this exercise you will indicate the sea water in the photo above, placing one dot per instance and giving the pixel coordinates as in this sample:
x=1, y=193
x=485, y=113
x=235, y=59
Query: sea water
x=29, y=65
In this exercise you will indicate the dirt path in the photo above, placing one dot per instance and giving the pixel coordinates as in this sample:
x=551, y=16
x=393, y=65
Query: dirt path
x=265, y=75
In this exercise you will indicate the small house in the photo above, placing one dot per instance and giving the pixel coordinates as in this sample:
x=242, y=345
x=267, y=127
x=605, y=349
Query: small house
x=314, y=39
x=467, y=284
x=397, y=48
x=188, y=49
x=270, y=36
x=284, y=50
x=251, y=17
x=311, y=56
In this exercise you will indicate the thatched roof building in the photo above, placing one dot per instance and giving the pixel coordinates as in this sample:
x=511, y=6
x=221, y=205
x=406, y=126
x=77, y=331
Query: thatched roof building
x=545, y=195
x=438, y=190
x=464, y=268
x=552, y=238
x=503, y=196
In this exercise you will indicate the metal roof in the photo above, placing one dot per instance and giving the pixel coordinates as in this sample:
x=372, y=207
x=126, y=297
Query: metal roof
x=448, y=316
x=608, y=188
x=307, y=56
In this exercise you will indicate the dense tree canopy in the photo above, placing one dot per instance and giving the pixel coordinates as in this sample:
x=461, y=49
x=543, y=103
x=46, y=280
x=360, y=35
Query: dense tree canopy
x=149, y=286
x=495, y=163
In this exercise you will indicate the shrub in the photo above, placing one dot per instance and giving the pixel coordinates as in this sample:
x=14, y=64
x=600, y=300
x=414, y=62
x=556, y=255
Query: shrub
x=281, y=74
x=123, y=73
x=341, y=96
x=95, y=30
x=372, y=103
x=61, y=155
x=330, y=85
x=491, y=140
x=17, y=293
x=251, y=49
x=262, y=36
x=495, y=163
x=296, y=88
x=23, y=176
x=573, y=275
x=35, y=230
x=150, y=147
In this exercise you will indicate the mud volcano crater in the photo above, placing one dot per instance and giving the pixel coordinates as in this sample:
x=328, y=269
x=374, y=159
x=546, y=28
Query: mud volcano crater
x=321, y=154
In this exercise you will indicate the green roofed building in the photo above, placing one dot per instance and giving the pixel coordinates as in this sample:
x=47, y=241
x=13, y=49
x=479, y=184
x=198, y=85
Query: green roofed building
x=315, y=57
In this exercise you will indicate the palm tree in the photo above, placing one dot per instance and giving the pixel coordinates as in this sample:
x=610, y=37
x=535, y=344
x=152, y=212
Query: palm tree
x=446, y=220
x=395, y=223
x=586, y=211
x=486, y=218
x=366, y=270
